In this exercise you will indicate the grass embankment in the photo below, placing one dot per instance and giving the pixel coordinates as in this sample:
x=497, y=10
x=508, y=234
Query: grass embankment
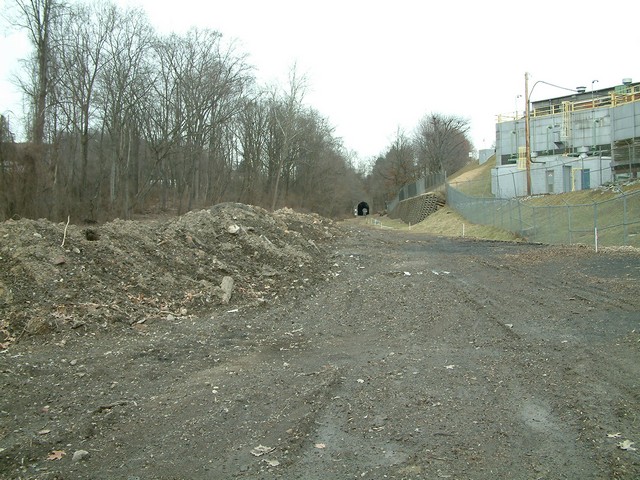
x=475, y=180
x=445, y=222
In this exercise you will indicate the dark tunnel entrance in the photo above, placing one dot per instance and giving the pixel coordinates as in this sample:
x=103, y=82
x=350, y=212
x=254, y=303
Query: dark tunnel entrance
x=363, y=209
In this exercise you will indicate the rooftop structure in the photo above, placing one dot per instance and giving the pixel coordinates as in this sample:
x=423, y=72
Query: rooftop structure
x=576, y=142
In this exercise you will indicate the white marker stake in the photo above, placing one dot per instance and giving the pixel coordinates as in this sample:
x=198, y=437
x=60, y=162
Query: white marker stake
x=596, y=237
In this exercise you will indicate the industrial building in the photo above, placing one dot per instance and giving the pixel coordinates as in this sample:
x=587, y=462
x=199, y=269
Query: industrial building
x=576, y=142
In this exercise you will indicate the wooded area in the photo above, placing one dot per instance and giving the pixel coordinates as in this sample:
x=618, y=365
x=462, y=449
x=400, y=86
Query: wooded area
x=123, y=120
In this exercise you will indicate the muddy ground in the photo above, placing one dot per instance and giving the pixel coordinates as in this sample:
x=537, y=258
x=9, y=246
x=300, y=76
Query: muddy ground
x=343, y=352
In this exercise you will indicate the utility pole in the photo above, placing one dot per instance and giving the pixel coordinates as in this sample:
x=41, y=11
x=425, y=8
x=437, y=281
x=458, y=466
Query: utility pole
x=527, y=119
x=526, y=132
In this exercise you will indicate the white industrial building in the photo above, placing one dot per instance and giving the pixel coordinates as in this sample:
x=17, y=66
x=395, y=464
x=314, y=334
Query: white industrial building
x=576, y=142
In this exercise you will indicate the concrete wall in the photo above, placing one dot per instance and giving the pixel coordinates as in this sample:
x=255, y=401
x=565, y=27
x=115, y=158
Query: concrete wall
x=416, y=209
x=625, y=121
x=551, y=174
x=485, y=154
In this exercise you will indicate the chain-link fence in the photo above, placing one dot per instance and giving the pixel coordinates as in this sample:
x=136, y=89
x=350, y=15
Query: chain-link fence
x=424, y=185
x=611, y=222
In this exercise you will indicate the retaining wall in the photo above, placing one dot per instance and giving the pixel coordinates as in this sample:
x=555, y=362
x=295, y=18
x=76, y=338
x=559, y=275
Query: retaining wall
x=416, y=209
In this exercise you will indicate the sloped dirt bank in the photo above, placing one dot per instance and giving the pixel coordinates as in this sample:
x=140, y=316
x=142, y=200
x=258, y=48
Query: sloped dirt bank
x=53, y=276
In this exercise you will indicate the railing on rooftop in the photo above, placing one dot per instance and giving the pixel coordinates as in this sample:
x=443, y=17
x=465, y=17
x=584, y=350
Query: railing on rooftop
x=616, y=98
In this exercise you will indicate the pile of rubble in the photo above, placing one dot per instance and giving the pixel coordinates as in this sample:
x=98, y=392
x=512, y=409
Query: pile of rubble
x=56, y=275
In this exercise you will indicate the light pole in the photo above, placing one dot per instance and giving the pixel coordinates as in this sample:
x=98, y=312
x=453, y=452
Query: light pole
x=527, y=140
x=593, y=117
x=527, y=121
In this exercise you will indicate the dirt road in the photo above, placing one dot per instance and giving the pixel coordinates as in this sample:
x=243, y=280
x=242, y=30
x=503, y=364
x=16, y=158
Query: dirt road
x=416, y=357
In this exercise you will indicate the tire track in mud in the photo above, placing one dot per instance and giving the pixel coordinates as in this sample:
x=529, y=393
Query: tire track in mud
x=555, y=327
x=577, y=275
x=345, y=433
x=401, y=364
x=568, y=312
x=542, y=295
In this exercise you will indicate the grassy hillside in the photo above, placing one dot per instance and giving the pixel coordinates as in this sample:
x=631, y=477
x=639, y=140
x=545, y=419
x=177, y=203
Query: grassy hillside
x=445, y=222
x=475, y=180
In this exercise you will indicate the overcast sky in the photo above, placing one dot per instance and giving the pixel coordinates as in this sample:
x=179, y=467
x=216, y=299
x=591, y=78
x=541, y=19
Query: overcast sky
x=374, y=67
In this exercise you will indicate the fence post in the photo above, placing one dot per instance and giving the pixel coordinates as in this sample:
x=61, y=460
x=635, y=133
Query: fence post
x=550, y=234
x=533, y=218
x=553, y=222
x=570, y=230
x=595, y=222
x=625, y=227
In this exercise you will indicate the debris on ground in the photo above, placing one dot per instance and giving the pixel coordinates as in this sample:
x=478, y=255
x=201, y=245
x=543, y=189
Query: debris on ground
x=56, y=276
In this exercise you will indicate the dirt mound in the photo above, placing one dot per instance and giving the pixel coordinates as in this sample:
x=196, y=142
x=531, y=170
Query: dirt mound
x=57, y=276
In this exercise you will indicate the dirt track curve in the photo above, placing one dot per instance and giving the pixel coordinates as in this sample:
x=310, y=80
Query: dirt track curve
x=412, y=357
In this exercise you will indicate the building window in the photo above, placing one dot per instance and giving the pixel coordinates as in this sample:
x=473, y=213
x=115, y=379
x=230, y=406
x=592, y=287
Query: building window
x=550, y=181
x=585, y=179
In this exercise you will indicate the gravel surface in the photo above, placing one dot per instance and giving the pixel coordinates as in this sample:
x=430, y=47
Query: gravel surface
x=343, y=352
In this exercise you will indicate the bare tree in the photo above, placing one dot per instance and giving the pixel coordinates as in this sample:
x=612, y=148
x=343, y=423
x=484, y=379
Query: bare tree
x=161, y=120
x=131, y=117
x=441, y=143
x=205, y=83
x=7, y=169
x=326, y=183
x=229, y=78
x=124, y=85
x=253, y=129
x=82, y=58
x=38, y=18
x=400, y=167
x=285, y=114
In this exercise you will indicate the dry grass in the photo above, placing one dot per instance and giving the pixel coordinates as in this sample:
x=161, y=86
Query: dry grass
x=445, y=222
x=475, y=180
x=582, y=197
